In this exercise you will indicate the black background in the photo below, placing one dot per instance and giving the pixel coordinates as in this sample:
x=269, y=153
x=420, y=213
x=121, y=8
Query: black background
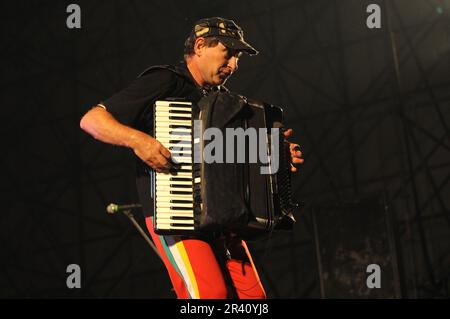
x=370, y=108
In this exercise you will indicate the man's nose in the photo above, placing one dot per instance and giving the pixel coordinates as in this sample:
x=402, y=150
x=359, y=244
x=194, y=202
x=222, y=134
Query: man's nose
x=233, y=64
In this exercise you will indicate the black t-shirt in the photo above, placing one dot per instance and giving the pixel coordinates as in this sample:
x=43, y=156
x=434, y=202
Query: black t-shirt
x=133, y=106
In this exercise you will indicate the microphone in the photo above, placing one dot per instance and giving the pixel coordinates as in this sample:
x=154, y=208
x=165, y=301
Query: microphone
x=114, y=208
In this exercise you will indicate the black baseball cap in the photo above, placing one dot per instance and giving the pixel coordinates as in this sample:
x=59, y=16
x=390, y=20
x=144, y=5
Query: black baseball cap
x=226, y=31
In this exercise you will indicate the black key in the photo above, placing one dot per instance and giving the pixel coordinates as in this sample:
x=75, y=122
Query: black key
x=180, y=208
x=178, y=118
x=180, y=201
x=180, y=193
x=180, y=186
x=184, y=170
x=179, y=126
x=187, y=179
x=181, y=218
x=174, y=104
x=179, y=111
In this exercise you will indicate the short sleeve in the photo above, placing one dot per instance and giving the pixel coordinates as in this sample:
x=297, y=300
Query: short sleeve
x=130, y=104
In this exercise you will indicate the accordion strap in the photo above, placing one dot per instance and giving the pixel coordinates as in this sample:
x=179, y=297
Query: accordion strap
x=169, y=67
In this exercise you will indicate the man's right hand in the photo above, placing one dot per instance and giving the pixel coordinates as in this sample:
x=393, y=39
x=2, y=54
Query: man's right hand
x=152, y=153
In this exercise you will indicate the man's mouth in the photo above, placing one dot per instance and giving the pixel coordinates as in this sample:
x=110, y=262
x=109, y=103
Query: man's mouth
x=224, y=73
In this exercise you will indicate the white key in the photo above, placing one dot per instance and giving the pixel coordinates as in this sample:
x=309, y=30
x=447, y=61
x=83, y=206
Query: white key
x=164, y=179
x=165, y=119
x=166, y=210
x=169, y=139
x=179, y=151
x=172, y=205
x=175, y=222
x=167, y=107
x=170, y=222
x=167, y=124
x=167, y=215
x=177, y=137
x=168, y=197
x=164, y=182
x=169, y=113
x=167, y=130
x=174, y=189
x=167, y=103
x=159, y=106
x=169, y=227
x=186, y=146
x=173, y=107
x=177, y=174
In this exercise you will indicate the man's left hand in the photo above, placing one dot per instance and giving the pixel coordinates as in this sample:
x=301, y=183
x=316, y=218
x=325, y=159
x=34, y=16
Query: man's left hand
x=296, y=154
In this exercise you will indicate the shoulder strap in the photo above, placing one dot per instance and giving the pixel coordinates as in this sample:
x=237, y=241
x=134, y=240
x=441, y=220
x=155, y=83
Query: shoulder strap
x=177, y=70
x=169, y=67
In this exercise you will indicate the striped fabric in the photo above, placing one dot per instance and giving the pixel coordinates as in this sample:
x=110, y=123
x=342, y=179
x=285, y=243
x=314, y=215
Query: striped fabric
x=196, y=274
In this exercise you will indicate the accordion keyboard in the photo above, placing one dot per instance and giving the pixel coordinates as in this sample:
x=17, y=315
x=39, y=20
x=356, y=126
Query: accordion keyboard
x=174, y=191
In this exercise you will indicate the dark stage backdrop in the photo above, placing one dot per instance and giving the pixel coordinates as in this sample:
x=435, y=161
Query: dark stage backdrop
x=369, y=106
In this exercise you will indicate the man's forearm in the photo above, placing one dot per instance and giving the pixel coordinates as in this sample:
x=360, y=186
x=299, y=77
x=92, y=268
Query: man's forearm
x=104, y=127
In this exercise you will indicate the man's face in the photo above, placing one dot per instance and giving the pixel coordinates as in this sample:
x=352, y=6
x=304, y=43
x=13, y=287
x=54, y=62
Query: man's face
x=216, y=64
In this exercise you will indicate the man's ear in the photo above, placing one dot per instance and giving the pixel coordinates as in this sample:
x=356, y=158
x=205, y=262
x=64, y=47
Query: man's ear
x=199, y=45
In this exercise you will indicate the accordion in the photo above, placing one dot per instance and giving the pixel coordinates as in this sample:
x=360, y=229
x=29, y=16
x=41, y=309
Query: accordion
x=231, y=172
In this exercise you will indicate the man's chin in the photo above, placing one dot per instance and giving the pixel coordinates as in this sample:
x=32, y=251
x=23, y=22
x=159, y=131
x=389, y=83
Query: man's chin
x=221, y=80
x=218, y=80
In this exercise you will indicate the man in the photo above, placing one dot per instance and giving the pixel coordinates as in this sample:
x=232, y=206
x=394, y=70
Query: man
x=213, y=267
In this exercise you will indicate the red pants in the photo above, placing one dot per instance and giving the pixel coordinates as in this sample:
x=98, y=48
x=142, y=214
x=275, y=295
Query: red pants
x=199, y=269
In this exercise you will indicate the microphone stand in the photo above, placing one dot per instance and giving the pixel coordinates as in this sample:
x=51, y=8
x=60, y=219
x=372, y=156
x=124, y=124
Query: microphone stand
x=130, y=216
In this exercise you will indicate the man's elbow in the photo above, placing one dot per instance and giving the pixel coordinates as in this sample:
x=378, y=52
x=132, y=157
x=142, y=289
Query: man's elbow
x=84, y=122
x=88, y=121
